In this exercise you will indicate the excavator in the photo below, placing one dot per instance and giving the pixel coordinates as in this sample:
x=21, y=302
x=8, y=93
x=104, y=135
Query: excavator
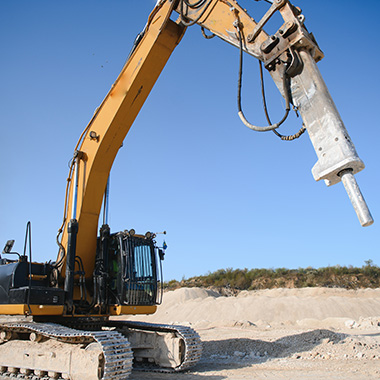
x=56, y=318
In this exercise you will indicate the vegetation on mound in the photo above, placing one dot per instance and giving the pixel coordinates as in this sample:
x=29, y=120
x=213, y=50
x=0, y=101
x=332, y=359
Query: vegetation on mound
x=231, y=281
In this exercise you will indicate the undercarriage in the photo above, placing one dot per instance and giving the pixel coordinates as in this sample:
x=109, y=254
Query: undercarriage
x=36, y=350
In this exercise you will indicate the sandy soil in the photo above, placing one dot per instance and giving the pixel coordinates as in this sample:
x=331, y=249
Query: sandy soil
x=312, y=333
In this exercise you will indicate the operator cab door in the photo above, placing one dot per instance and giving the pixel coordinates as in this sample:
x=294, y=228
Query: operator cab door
x=137, y=271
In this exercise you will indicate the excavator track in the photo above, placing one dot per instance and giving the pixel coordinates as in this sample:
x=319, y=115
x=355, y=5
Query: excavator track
x=116, y=354
x=192, y=345
x=116, y=350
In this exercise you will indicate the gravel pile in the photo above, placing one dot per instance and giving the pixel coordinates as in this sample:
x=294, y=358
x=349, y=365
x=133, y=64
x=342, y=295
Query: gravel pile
x=312, y=345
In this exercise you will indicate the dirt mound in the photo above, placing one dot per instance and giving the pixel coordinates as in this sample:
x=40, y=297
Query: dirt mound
x=317, y=307
x=183, y=295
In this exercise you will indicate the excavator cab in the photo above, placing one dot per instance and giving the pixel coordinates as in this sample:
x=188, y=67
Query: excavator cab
x=134, y=273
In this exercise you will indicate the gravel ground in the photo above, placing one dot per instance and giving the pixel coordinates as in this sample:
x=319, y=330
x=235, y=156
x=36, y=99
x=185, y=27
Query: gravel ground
x=292, y=334
x=239, y=353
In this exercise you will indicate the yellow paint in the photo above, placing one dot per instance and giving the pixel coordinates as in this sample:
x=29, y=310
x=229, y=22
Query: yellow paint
x=132, y=310
x=38, y=277
x=23, y=309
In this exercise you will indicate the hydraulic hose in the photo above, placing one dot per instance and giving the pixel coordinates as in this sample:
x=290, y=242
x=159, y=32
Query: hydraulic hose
x=282, y=137
x=193, y=6
x=285, y=87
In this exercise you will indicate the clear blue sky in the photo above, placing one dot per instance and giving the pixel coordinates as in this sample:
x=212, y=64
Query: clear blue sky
x=227, y=196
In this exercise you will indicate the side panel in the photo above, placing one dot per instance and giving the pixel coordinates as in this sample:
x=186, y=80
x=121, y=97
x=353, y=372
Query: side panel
x=131, y=310
x=23, y=309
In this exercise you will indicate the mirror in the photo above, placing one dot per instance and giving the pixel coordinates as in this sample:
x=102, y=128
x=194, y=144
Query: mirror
x=8, y=247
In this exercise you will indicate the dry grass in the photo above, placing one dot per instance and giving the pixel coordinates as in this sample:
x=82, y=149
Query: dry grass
x=234, y=280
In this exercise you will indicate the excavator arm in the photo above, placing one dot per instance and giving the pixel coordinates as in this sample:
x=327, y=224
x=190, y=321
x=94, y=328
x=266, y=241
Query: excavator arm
x=290, y=56
x=104, y=135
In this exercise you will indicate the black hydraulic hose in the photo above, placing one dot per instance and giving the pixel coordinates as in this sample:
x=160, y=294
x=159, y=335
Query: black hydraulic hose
x=195, y=5
x=208, y=37
x=286, y=94
x=82, y=284
x=201, y=3
x=115, y=295
x=62, y=251
x=72, y=232
x=29, y=234
x=282, y=137
x=80, y=279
